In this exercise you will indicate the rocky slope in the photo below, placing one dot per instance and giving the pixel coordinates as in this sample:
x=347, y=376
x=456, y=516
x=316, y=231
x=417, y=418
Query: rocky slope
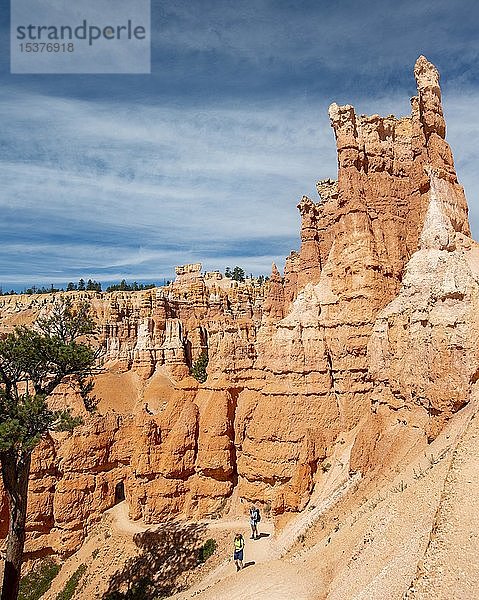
x=369, y=336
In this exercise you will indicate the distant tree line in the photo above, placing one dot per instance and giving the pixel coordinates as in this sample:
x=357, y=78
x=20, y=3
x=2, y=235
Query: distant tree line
x=89, y=286
x=81, y=286
x=33, y=290
x=235, y=274
x=238, y=274
x=126, y=287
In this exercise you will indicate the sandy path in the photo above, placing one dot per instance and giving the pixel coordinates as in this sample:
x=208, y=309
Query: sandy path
x=256, y=552
x=112, y=543
x=260, y=578
x=123, y=524
x=276, y=580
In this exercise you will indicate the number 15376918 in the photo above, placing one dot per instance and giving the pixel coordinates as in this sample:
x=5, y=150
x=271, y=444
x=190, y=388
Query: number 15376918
x=46, y=47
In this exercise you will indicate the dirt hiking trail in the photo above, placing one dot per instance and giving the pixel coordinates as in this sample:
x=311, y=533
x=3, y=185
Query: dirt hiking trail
x=261, y=577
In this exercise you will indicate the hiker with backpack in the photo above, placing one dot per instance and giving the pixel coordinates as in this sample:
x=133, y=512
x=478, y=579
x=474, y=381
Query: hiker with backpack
x=239, y=549
x=254, y=519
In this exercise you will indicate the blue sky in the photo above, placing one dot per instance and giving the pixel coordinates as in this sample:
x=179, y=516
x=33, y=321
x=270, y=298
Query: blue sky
x=125, y=176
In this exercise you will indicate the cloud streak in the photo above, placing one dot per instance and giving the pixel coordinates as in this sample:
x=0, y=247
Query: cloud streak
x=206, y=159
x=178, y=181
x=96, y=187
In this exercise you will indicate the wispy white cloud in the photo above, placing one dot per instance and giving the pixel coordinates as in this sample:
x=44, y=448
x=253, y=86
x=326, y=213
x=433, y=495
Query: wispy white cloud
x=108, y=190
x=180, y=182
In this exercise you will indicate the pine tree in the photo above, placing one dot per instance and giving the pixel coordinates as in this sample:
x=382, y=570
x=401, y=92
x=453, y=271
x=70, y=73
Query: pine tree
x=238, y=274
x=198, y=370
x=33, y=361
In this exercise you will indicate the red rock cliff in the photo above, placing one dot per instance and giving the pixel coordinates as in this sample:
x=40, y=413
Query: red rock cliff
x=354, y=338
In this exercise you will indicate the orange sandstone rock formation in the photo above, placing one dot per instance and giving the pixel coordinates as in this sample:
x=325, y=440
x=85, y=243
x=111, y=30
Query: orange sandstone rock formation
x=371, y=330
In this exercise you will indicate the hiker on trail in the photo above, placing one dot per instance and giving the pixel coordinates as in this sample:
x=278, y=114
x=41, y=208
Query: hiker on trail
x=239, y=547
x=254, y=519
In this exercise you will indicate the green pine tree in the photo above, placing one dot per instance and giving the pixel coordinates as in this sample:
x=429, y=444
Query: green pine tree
x=198, y=370
x=33, y=361
x=238, y=274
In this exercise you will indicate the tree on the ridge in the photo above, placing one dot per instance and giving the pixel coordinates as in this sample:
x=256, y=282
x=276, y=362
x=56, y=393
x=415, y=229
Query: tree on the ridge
x=81, y=285
x=228, y=272
x=238, y=274
x=93, y=286
x=33, y=361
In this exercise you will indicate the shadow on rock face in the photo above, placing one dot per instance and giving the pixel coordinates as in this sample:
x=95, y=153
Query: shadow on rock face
x=164, y=555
